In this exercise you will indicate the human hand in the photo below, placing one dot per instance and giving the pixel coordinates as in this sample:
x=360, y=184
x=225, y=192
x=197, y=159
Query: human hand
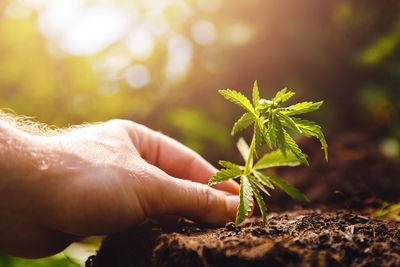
x=98, y=180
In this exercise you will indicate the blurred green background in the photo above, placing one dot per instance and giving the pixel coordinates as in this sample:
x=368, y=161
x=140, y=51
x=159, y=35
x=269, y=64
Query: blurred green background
x=161, y=62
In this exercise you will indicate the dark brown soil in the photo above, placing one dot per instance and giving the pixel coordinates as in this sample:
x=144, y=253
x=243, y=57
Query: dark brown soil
x=357, y=170
x=298, y=238
x=335, y=229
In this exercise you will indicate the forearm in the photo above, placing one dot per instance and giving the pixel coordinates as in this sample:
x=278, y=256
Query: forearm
x=23, y=158
x=12, y=168
x=25, y=161
x=23, y=150
x=12, y=145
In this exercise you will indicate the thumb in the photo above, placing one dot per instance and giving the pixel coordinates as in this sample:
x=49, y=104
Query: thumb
x=191, y=200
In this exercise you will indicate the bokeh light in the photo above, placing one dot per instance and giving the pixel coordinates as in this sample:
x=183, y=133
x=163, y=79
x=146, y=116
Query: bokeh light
x=137, y=75
x=179, y=57
x=209, y=5
x=80, y=29
x=204, y=32
x=140, y=43
x=239, y=34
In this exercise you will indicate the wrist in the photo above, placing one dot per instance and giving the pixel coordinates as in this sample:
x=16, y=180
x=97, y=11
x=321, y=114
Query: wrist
x=13, y=168
x=21, y=158
x=13, y=144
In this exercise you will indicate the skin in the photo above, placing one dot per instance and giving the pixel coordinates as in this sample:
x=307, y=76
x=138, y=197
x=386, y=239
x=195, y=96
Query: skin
x=98, y=180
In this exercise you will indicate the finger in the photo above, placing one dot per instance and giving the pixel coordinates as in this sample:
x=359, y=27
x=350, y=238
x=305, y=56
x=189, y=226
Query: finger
x=188, y=199
x=176, y=159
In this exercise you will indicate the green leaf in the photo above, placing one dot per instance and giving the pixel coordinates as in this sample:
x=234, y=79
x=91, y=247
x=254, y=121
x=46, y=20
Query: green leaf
x=279, y=95
x=288, y=188
x=286, y=120
x=244, y=150
x=264, y=105
x=280, y=136
x=386, y=209
x=302, y=108
x=264, y=180
x=238, y=99
x=276, y=158
x=245, y=121
x=258, y=136
x=256, y=94
x=271, y=131
x=224, y=175
x=229, y=165
x=294, y=148
x=324, y=146
x=255, y=181
x=260, y=202
x=311, y=129
x=264, y=133
x=246, y=197
x=282, y=96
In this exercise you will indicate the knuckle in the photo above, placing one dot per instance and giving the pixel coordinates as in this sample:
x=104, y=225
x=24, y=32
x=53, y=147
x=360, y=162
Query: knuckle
x=122, y=123
x=205, y=197
x=154, y=199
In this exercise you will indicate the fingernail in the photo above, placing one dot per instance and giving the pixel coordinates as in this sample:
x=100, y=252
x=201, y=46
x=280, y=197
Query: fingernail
x=232, y=202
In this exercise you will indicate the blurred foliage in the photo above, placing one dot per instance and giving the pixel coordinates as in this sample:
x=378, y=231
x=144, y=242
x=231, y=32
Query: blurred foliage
x=196, y=129
x=163, y=64
x=54, y=261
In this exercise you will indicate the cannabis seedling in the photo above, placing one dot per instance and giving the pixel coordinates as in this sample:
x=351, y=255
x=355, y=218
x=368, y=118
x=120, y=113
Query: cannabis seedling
x=270, y=121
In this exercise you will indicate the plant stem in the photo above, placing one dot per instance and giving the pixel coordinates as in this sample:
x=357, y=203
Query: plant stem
x=249, y=158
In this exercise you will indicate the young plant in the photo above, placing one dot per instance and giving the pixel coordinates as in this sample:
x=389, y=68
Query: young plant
x=389, y=211
x=270, y=120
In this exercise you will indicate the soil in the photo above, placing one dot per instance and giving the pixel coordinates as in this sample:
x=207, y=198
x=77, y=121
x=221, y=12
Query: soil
x=335, y=229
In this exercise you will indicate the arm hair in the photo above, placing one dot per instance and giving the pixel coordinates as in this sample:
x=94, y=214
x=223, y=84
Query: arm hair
x=28, y=124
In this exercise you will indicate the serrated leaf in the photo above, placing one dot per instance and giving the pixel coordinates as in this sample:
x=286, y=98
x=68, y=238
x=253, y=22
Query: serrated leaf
x=286, y=96
x=224, y=175
x=311, y=129
x=264, y=133
x=302, y=108
x=245, y=200
x=286, y=120
x=244, y=150
x=279, y=94
x=245, y=121
x=264, y=180
x=229, y=165
x=288, y=188
x=282, y=96
x=256, y=94
x=238, y=99
x=255, y=181
x=280, y=136
x=271, y=135
x=291, y=144
x=324, y=145
x=258, y=137
x=276, y=158
x=260, y=202
x=264, y=104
